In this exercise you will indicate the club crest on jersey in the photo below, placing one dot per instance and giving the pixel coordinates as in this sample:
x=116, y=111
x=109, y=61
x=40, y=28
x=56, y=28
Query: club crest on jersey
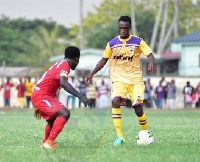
x=132, y=48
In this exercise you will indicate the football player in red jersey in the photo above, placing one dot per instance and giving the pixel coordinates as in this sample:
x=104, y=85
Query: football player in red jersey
x=43, y=97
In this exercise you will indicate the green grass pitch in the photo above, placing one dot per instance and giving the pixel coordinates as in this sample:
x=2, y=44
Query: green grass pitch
x=89, y=136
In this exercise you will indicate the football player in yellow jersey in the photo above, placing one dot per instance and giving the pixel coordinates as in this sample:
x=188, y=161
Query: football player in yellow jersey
x=124, y=53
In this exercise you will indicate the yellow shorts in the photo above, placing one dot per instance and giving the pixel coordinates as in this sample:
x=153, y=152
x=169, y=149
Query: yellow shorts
x=135, y=91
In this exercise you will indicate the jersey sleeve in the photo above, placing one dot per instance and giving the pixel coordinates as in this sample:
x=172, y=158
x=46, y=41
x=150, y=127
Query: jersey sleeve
x=107, y=52
x=63, y=70
x=146, y=50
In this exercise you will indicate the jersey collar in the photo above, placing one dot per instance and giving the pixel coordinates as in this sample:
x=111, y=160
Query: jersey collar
x=125, y=40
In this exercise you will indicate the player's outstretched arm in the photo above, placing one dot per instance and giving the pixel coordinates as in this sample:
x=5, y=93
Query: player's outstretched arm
x=151, y=66
x=68, y=87
x=98, y=67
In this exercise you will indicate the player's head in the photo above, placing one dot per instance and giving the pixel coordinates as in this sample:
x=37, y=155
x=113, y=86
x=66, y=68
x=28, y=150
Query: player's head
x=124, y=26
x=72, y=53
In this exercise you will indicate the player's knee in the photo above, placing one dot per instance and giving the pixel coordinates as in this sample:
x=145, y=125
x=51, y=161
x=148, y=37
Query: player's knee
x=65, y=113
x=116, y=103
x=139, y=110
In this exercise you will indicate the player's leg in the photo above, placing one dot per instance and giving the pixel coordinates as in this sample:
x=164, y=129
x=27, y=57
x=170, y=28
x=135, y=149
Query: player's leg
x=141, y=117
x=62, y=117
x=48, y=128
x=118, y=94
x=51, y=108
x=136, y=93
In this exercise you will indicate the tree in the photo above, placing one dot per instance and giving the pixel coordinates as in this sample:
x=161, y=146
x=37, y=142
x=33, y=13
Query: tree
x=22, y=41
x=133, y=18
x=156, y=25
x=48, y=44
x=187, y=20
x=170, y=29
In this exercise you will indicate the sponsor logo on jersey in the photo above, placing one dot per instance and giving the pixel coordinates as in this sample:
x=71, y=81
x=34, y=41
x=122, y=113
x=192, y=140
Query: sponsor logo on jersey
x=132, y=48
x=121, y=57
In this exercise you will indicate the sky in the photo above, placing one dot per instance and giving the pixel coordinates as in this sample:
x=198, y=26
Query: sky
x=64, y=12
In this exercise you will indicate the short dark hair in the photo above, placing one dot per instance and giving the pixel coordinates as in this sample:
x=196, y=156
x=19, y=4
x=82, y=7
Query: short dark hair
x=125, y=19
x=72, y=52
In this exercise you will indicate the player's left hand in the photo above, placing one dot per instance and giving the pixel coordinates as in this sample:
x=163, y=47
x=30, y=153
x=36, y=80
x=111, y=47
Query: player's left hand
x=37, y=114
x=152, y=68
x=88, y=78
x=87, y=102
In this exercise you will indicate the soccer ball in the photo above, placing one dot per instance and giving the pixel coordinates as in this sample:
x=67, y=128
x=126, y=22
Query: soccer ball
x=144, y=137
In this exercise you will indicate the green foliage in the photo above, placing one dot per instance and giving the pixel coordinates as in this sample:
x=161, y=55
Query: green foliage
x=100, y=38
x=102, y=24
x=31, y=42
x=188, y=17
x=89, y=136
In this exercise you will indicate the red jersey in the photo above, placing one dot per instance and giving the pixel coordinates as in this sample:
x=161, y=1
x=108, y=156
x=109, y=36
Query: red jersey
x=7, y=88
x=49, y=83
x=21, y=90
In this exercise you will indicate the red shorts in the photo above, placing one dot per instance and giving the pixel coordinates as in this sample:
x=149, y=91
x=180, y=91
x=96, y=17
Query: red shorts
x=47, y=105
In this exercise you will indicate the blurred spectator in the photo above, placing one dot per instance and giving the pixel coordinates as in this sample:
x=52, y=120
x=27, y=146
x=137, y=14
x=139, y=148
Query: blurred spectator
x=74, y=84
x=82, y=89
x=171, y=95
x=91, y=90
x=103, y=95
x=7, y=88
x=149, y=91
x=29, y=88
x=164, y=85
x=188, y=92
x=21, y=88
x=197, y=92
x=159, y=91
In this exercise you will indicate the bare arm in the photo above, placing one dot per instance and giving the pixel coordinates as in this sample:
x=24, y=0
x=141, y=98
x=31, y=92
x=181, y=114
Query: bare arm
x=68, y=87
x=151, y=66
x=98, y=67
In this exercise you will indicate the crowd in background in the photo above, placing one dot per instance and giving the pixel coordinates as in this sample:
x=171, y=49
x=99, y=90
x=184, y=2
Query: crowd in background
x=161, y=96
x=24, y=89
x=164, y=94
x=92, y=90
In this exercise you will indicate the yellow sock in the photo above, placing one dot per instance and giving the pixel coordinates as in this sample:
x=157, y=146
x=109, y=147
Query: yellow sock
x=143, y=122
x=116, y=113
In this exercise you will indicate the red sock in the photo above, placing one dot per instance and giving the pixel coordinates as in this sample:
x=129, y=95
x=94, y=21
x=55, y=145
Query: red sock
x=47, y=132
x=57, y=127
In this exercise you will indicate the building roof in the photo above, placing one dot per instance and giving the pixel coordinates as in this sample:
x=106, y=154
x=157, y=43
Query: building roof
x=16, y=71
x=171, y=56
x=193, y=37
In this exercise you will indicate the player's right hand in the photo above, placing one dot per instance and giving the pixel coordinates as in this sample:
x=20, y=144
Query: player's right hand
x=88, y=78
x=37, y=114
x=86, y=101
